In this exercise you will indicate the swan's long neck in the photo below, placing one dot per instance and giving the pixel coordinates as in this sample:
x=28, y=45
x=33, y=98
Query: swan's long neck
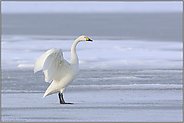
x=74, y=58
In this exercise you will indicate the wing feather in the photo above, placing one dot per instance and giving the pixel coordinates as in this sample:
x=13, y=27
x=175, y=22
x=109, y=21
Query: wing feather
x=53, y=64
x=38, y=65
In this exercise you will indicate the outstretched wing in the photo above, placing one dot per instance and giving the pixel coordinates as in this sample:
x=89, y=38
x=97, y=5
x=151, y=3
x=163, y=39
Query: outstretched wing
x=38, y=65
x=53, y=62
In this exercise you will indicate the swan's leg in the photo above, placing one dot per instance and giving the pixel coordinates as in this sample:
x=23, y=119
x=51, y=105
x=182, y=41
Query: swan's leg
x=61, y=99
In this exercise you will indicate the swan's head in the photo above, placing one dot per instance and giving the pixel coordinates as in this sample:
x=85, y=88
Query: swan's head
x=84, y=38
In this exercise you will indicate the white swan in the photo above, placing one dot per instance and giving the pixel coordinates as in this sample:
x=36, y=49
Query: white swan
x=57, y=70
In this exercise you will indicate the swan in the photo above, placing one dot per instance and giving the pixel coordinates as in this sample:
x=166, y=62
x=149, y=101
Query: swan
x=57, y=70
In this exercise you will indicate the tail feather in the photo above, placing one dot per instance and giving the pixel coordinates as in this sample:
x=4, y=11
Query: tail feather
x=46, y=94
x=53, y=88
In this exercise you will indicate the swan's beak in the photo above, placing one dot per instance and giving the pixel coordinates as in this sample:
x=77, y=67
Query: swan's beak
x=88, y=39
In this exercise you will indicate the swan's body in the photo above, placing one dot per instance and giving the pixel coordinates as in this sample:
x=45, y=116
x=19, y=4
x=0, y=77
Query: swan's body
x=57, y=70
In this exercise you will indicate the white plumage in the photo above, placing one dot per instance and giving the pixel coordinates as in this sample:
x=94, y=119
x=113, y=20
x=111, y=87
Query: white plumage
x=57, y=70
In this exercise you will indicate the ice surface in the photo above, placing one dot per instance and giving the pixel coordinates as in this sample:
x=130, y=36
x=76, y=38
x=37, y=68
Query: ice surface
x=119, y=80
x=97, y=105
x=83, y=7
x=20, y=52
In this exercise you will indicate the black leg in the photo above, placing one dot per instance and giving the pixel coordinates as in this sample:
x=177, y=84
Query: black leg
x=61, y=99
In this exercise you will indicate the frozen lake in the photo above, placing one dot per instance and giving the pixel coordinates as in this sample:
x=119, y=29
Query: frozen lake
x=106, y=104
x=133, y=95
x=121, y=78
